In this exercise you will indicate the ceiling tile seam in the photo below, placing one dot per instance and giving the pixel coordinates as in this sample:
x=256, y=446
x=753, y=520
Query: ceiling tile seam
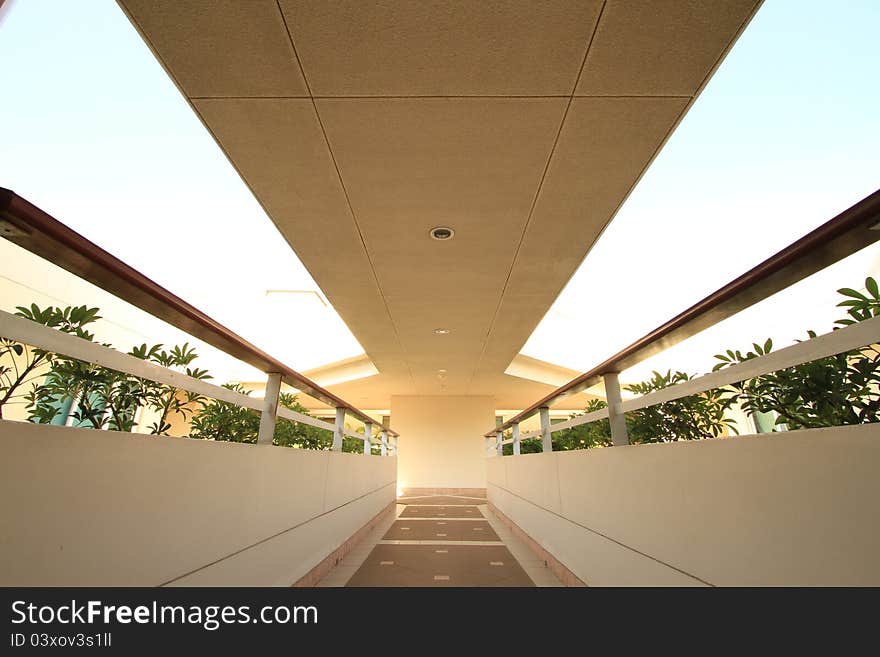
x=195, y=110
x=666, y=137
x=663, y=96
x=441, y=97
x=347, y=197
x=434, y=96
x=306, y=97
x=268, y=215
x=216, y=139
x=673, y=127
x=531, y=212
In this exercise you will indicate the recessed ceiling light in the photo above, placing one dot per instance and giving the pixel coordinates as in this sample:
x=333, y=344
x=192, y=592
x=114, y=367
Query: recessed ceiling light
x=441, y=371
x=442, y=331
x=442, y=233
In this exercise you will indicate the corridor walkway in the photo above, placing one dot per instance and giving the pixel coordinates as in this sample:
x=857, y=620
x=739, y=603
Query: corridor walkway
x=448, y=540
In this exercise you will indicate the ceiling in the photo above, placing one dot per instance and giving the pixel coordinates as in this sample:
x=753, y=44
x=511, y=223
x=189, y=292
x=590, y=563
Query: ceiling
x=361, y=125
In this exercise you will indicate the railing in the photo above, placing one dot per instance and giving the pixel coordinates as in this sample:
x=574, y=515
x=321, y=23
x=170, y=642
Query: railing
x=29, y=227
x=849, y=232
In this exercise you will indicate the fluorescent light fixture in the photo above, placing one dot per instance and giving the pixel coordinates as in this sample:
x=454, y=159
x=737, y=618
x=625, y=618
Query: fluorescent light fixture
x=318, y=296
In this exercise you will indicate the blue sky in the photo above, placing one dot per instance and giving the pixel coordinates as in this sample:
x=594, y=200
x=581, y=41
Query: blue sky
x=785, y=136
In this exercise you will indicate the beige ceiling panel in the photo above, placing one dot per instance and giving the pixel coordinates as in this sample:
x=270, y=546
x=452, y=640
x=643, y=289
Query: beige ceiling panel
x=279, y=147
x=471, y=164
x=660, y=47
x=510, y=392
x=441, y=47
x=409, y=164
x=221, y=48
x=605, y=145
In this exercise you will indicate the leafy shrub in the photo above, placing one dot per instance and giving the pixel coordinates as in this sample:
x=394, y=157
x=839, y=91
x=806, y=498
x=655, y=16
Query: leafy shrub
x=20, y=365
x=689, y=418
x=837, y=390
x=223, y=421
x=843, y=389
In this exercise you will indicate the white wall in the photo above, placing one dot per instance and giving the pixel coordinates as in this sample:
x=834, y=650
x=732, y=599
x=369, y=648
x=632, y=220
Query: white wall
x=440, y=443
x=96, y=508
x=797, y=508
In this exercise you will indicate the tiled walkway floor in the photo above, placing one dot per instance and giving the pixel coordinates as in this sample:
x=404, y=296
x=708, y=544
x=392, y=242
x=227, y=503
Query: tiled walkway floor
x=444, y=540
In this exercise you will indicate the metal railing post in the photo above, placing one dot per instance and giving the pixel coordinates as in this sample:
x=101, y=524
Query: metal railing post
x=499, y=436
x=384, y=444
x=617, y=419
x=340, y=427
x=270, y=409
x=546, y=435
x=368, y=435
x=515, y=430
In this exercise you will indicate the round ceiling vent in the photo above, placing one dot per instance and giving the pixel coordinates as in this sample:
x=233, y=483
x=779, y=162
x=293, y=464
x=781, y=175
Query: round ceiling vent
x=442, y=233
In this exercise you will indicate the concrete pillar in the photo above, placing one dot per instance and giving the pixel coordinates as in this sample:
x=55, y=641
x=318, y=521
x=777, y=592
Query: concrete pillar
x=499, y=436
x=384, y=446
x=368, y=435
x=617, y=419
x=270, y=410
x=546, y=439
x=340, y=426
x=515, y=430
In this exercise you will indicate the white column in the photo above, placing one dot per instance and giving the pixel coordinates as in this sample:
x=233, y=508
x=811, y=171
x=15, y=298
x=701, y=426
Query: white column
x=384, y=443
x=488, y=446
x=499, y=436
x=368, y=435
x=515, y=430
x=546, y=438
x=270, y=410
x=340, y=426
x=617, y=419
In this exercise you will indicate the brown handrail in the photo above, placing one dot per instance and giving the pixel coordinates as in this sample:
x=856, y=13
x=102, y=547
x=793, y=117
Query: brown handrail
x=33, y=229
x=850, y=231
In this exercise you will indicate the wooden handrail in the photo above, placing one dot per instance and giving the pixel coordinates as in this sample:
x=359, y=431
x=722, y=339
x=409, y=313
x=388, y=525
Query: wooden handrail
x=35, y=230
x=849, y=232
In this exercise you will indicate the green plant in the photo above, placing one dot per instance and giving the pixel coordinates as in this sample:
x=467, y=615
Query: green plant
x=20, y=365
x=223, y=421
x=126, y=393
x=859, y=306
x=688, y=418
x=171, y=400
x=585, y=436
x=105, y=398
x=836, y=390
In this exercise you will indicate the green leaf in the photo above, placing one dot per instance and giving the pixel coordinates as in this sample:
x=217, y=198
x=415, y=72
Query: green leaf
x=871, y=286
x=849, y=292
